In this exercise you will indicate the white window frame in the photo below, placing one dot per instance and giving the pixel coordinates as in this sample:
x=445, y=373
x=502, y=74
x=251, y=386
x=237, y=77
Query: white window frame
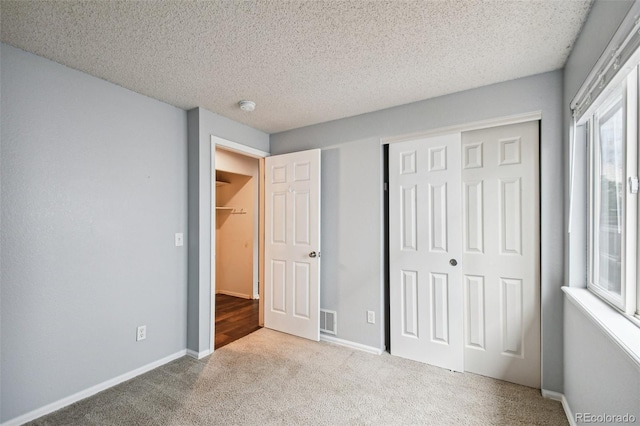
x=629, y=300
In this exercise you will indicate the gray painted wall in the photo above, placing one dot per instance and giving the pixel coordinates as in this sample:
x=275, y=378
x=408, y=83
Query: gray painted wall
x=201, y=125
x=94, y=186
x=598, y=376
x=351, y=238
x=0, y=233
x=352, y=279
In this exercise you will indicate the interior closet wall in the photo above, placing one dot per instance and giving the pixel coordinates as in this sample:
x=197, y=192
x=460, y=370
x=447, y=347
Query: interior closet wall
x=236, y=225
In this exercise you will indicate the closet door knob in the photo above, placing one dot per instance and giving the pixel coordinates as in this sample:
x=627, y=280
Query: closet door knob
x=453, y=262
x=313, y=254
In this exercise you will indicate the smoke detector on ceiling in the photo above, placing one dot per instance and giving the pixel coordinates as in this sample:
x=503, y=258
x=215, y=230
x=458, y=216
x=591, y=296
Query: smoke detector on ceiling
x=247, y=105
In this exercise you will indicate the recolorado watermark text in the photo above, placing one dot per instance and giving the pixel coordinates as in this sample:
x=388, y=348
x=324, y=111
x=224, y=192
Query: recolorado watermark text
x=605, y=418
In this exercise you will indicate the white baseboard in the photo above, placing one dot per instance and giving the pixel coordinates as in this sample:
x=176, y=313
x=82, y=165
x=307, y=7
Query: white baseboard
x=557, y=396
x=61, y=403
x=350, y=344
x=256, y=296
x=198, y=355
x=234, y=294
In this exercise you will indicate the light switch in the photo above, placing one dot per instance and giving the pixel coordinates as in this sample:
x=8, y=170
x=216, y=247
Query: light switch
x=179, y=239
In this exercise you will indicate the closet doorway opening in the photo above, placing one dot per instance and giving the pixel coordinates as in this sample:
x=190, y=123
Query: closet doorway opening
x=237, y=246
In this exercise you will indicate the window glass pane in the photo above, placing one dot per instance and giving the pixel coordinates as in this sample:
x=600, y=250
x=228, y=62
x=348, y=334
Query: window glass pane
x=609, y=226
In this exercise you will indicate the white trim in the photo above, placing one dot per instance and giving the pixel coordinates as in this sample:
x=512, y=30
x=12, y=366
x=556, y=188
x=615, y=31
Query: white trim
x=350, y=344
x=212, y=248
x=234, y=294
x=557, y=396
x=614, y=324
x=198, y=355
x=459, y=128
x=61, y=403
x=572, y=167
x=238, y=147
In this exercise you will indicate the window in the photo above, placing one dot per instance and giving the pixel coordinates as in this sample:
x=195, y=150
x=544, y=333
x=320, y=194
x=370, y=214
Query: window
x=605, y=140
x=612, y=194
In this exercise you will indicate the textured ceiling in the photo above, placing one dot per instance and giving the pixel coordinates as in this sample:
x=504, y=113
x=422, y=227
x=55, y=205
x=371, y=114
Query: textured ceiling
x=302, y=62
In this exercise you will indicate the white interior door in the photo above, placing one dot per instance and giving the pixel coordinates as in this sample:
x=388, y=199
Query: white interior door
x=425, y=242
x=292, y=243
x=501, y=261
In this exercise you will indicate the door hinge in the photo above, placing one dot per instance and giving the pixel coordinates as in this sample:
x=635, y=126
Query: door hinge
x=633, y=184
x=386, y=186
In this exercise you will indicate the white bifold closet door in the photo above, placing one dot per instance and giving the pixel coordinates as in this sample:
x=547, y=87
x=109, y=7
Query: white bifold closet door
x=501, y=261
x=425, y=243
x=492, y=295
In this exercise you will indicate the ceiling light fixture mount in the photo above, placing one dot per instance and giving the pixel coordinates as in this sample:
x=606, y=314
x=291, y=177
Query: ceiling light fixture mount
x=247, y=105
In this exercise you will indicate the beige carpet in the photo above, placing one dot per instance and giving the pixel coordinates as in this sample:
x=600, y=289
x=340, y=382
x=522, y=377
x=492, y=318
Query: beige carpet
x=273, y=378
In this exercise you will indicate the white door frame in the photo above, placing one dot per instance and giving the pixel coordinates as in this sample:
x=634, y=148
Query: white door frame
x=240, y=149
x=460, y=128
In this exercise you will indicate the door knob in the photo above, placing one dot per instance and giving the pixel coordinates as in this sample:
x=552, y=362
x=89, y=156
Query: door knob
x=313, y=254
x=453, y=262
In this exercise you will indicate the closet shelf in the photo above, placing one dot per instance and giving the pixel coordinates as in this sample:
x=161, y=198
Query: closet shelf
x=232, y=210
x=221, y=183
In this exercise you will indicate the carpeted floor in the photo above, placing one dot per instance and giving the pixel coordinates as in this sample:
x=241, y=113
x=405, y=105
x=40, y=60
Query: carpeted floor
x=273, y=378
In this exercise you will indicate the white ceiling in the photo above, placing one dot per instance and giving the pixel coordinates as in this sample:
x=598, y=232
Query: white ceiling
x=302, y=62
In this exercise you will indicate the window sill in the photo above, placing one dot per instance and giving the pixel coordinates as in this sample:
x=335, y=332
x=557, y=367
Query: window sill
x=614, y=324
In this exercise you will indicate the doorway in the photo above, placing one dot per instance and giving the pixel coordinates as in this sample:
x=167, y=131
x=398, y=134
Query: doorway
x=237, y=246
x=285, y=212
x=464, y=251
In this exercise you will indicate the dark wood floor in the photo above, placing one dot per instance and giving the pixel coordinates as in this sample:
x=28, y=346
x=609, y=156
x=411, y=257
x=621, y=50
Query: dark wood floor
x=235, y=318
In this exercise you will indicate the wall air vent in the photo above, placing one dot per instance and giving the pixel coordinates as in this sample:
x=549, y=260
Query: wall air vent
x=328, y=321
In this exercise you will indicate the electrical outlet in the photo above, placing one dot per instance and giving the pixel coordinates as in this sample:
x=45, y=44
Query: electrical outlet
x=371, y=317
x=141, y=333
x=179, y=239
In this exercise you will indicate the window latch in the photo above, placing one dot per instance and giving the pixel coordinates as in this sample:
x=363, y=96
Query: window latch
x=633, y=184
